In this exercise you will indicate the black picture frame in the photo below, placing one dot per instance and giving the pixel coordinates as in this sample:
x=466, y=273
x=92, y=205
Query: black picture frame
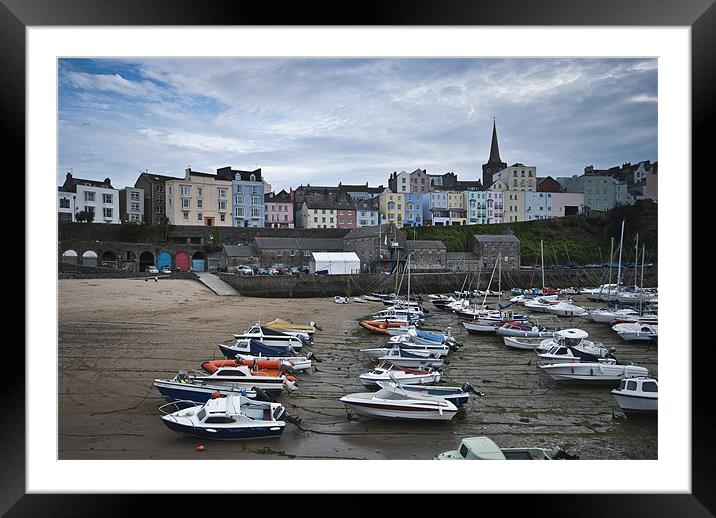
x=700, y=15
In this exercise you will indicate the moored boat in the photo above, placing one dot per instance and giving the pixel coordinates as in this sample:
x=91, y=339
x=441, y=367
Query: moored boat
x=225, y=418
x=184, y=388
x=638, y=396
x=593, y=372
x=391, y=401
x=386, y=371
x=484, y=448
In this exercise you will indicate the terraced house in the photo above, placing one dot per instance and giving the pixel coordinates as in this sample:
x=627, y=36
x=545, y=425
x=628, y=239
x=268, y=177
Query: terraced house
x=78, y=195
x=247, y=196
x=201, y=199
x=278, y=210
x=392, y=207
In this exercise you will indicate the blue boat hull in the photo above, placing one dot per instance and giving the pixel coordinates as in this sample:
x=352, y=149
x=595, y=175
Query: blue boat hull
x=196, y=394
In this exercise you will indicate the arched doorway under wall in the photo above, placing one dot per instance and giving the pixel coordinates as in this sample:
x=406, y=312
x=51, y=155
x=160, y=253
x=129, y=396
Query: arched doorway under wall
x=146, y=259
x=69, y=256
x=89, y=258
x=198, y=262
x=164, y=260
x=129, y=261
x=109, y=259
x=181, y=260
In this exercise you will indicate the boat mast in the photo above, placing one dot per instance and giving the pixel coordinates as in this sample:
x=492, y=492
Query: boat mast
x=621, y=246
x=484, y=299
x=611, y=263
x=541, y=247
x=636, y=259
x=641, y=291
x=409, y=280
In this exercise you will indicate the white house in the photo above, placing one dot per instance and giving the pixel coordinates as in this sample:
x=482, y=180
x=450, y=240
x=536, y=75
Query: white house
x=78, y=195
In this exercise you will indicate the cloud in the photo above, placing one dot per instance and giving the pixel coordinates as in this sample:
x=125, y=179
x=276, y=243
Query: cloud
x=353, y=120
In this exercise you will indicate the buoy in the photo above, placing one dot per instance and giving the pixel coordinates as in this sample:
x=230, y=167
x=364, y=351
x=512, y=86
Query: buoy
x=215, y=394
x=200, y=448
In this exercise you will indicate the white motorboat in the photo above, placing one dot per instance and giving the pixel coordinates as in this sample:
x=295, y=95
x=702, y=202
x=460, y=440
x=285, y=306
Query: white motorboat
x=602, y=292
x=608, y=315
x=359, y=300
x=477, y=327
x=524, y=330
x=230, y=417
x=386, y=371
x=268, y=336
x=458, y=396
x=183, y=388
x=564, y=353
x=340, y=300
x=408, y=342
x=540, y=304
x=636, y=331
x=527, y=344
x=411, y=358
x=566, y=309
x=392, y=401
x=609, y=372
x=483, y=448
x=638, y=396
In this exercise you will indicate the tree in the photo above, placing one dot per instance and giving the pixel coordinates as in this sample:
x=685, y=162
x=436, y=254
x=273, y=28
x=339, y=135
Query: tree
x=84, y=216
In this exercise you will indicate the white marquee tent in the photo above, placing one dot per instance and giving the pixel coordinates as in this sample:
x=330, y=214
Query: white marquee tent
x=334, y=263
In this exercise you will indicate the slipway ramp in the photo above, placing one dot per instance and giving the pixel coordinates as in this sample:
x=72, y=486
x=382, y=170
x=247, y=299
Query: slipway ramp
x=216, y=285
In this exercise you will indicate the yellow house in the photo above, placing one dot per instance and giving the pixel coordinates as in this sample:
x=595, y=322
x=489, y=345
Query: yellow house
x=457, y=207
x=392, y=207
x=513, y=203
x=199, y=199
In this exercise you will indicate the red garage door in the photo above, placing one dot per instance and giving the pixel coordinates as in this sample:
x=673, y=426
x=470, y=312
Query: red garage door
x=182, y=261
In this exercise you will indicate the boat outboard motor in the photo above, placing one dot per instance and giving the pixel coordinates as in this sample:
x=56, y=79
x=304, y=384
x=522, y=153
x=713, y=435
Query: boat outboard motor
x=559, y=454
x=293, y=419
x=261, y=395
x=312, y=356
x=466, y=387
x=315, y=324
x=304, y=340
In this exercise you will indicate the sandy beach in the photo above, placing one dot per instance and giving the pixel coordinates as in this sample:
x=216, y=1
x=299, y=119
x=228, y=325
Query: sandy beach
x=117, y=335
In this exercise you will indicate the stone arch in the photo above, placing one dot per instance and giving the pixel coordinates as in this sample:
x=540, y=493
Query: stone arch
x=129, y=261
x=198, y=261
x=181, y=259
x=109, y=259
x=89, y=258
x=146, y=259
x=70, y=256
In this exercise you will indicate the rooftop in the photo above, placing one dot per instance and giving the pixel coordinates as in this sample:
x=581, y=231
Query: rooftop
x=300, y=243
x=502, y=238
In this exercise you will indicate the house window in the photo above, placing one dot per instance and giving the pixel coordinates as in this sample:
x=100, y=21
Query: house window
x=64, y=203
x=199, y=191
x=89, y=196
x=222, y=205
x=239, y=212
x=108, y=213
x=255, y=189
x=89, y=209
x=185, y=203
x=199, y=216
x=256, y=200
x=185, y=190
x=293, y=253
x=134, y=195
x=222, y=192
x=199, y=204
x=135, y=206
x=222, y=217
x=238, y=189
x=306, y=253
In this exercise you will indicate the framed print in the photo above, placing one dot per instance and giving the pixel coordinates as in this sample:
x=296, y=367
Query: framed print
x=169, y=91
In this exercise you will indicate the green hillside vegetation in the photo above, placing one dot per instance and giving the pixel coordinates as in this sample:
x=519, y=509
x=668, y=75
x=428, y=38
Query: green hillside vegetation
x=577, y=239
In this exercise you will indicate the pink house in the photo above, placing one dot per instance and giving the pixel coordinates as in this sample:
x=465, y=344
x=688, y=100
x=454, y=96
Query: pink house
x=278, y=210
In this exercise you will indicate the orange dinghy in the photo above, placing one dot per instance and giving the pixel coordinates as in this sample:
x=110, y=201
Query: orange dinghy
x=379, y=326
x=269, y=368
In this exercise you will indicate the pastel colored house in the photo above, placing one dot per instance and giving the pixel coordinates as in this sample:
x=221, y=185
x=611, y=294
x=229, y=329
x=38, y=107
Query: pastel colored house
x=78, y=195
x=278, y=210
x=413, y=210
x=198, y=199
x=247, y=196
x=435, y=208
x=392, y=207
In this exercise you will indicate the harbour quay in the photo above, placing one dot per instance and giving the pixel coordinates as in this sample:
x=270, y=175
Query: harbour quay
x=116, y=336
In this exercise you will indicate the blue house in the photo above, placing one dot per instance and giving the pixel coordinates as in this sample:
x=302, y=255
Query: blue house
x=247, y=192
x=413, y=216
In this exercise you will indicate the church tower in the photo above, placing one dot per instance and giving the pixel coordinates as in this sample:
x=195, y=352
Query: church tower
x=494, y=164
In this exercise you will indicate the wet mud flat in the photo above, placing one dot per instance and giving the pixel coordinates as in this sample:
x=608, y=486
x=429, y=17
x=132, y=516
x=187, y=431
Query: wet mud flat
x=117, y=335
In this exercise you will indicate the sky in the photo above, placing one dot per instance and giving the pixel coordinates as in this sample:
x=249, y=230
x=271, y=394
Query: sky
x=321, y=121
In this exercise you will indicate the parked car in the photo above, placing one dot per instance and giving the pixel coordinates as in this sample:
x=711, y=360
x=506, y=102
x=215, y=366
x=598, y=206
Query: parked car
x=305, y=269
x=272, y=271
x=152, y=269
x=166, y=269
x=262, y=271
x=242, y=269
x=295, y=271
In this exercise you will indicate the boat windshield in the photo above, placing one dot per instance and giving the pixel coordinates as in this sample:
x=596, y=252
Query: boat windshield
x=202, y=414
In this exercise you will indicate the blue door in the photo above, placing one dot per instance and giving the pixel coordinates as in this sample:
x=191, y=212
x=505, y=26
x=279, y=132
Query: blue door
x=164, y=259
x=198, y=265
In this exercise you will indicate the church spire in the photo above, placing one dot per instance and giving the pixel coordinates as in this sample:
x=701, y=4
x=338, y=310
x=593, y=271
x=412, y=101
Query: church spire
x=494, y=147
